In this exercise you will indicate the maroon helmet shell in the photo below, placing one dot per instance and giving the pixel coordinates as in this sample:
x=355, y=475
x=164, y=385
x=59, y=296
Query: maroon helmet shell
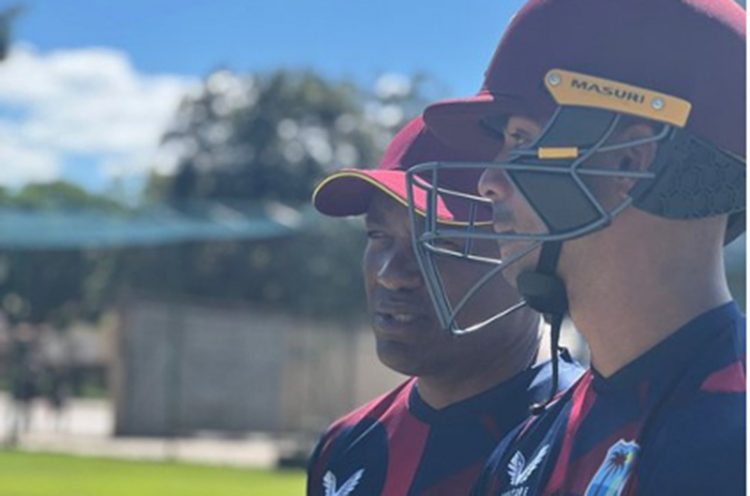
x=690, y=49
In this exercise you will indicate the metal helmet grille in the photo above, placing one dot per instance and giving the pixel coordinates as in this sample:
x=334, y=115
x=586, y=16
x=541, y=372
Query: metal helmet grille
x=556, y=188
x=429, y=234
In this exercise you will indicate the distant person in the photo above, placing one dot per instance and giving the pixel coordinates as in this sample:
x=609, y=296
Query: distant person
x=55, y=381
x=56, y=392
x=23, y=375
x=433, y=433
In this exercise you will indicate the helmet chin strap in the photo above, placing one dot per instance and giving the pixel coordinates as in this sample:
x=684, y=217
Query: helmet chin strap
x=545, y=292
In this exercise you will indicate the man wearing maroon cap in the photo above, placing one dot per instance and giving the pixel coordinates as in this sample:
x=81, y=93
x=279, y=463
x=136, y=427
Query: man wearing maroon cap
x=621, y=176
x=432, y=434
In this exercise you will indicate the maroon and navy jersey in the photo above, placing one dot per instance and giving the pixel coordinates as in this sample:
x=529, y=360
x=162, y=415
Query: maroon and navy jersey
x=397, y=445
x=672, y=422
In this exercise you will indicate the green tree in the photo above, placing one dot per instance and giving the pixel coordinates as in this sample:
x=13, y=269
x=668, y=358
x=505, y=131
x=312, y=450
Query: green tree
x=60, y=195
x=259, y=144
x=265, y=138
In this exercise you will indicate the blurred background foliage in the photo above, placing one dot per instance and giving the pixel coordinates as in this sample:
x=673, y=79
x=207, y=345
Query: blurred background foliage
x=254, y=145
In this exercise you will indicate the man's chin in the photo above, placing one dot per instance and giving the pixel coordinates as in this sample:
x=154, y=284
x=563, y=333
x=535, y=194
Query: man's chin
x=511, y=273
x=398, y=356
x=514, y=269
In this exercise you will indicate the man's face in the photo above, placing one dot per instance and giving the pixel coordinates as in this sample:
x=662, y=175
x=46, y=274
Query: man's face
x=409, y=337
x=511, y=211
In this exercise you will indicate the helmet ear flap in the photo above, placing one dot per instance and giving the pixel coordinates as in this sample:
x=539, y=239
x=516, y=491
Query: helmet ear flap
x=694, y=179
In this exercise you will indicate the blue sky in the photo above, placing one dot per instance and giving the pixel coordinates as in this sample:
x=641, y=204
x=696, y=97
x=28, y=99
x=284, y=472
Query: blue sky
x=90, y=84
x=343, y=38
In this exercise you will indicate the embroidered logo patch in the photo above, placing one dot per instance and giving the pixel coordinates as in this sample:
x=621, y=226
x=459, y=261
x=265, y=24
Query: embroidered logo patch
x=519, y=470
x=329, y=483
x=614, y=471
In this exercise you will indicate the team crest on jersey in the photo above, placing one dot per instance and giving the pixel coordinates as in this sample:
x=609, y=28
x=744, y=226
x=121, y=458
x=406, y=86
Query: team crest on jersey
x=519, y=470
x=329, y=483
x=614, y=471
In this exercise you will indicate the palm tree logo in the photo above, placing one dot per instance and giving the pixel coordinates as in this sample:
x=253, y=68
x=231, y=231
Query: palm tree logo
x=614, y=471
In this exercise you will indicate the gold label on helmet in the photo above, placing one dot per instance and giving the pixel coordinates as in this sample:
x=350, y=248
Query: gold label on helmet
x=611, y=91
x=573, y=88
x=550, y=153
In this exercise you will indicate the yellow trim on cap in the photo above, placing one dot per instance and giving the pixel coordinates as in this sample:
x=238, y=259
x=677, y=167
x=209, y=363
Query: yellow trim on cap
x=364, y=177
x=551, y=153
x=403, y=201
x=574, y=88
x=331, y=177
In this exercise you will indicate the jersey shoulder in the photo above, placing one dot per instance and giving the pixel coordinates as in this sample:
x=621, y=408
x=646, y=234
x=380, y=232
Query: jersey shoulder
x=352, y=429
x=391, y=402
x=698, y=443
x=698, y=448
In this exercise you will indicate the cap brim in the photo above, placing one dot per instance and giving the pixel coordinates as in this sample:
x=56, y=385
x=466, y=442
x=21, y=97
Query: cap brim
x=349, y=192
x=461, y=123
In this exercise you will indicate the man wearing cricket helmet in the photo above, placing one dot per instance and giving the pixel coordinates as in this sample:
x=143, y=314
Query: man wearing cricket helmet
x=621, y=176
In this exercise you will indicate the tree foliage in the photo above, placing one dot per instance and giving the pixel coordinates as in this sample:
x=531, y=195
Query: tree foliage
x=59, y=195
x=263, y=142
x=255, y=145
x=265, y=138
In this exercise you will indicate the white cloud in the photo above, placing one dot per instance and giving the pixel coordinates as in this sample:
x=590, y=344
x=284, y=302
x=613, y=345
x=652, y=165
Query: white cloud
x=393, y=85
x=38, y=165
x=89, y=102
x=21, y=163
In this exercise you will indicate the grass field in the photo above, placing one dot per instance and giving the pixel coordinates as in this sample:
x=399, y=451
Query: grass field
x=26, y=474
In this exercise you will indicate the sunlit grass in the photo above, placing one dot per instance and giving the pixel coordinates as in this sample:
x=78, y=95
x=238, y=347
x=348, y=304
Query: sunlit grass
x=26, y=474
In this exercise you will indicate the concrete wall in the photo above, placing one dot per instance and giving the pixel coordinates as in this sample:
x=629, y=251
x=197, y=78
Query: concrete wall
x=184, y=368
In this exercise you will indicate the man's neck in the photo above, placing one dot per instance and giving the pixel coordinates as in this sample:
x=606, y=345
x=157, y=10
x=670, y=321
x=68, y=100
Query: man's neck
x=478, y=375
x=635, y=301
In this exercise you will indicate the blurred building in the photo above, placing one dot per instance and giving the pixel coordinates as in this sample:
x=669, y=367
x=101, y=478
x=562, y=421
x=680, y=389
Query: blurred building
x=184, y=367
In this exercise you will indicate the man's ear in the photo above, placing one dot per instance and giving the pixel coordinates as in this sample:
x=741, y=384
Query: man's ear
x=635, y=158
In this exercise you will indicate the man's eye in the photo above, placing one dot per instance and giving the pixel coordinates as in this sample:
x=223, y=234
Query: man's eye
x=516, y=139
x=375, y=234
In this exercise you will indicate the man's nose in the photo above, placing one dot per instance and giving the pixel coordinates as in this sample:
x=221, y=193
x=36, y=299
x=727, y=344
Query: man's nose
x=400, y=270
x=495, y=185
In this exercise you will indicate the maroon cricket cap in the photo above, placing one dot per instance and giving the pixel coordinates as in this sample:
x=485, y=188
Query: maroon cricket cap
x=690, y=49
x=349, y=191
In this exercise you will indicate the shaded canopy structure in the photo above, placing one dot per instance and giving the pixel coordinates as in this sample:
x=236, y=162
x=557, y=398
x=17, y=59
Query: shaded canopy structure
x=23, y=229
